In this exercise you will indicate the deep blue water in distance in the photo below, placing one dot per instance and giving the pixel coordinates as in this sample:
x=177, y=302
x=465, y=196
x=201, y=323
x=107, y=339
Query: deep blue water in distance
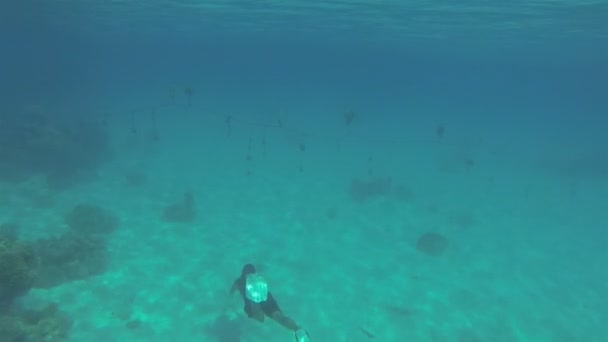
x=492, y=114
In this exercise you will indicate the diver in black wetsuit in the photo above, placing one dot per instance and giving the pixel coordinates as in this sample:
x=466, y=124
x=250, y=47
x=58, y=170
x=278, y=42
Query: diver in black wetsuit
x=259, y=302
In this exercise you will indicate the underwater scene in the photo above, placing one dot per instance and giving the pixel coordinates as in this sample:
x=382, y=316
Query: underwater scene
x=325, y=171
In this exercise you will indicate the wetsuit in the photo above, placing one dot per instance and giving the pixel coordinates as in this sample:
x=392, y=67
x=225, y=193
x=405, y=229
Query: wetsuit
x=258, y=311
x=269, y=306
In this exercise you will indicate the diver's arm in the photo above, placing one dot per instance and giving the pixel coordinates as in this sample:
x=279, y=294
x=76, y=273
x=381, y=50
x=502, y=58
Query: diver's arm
x=234, y=287
x=230, y=300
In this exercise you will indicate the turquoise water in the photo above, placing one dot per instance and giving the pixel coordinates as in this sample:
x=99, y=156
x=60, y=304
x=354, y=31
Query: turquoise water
x=397, y=171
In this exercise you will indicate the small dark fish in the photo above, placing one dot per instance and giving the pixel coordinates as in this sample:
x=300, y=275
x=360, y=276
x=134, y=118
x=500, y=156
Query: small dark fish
x=349, y=117
x=367, y=333
x=440, y=131
x=155, y=137
x=188, y=91
x=398, y=310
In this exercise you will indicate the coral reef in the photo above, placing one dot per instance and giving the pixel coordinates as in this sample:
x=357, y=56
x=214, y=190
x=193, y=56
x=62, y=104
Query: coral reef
x=16, y=269
x=181, y=212
x=91, y=219
x=34, y=142
x=135, y=179
x=432, y=244
x=331, y=213
x=42, y=263
x=9, y=231
x=364, y=190
x=71, y=256
x=48, y=324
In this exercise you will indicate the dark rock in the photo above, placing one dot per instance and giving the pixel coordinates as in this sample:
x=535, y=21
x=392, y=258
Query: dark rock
x=432, y=244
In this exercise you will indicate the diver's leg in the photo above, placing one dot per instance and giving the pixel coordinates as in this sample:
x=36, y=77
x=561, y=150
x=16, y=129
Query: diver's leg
x=254, y=312
x=258, y=316
x=285, y=321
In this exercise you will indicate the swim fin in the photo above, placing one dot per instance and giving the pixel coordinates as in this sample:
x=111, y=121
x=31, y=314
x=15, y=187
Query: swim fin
x=302, y=336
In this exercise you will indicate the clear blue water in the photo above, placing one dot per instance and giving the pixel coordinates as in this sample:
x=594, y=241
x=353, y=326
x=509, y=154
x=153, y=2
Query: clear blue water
x=484, y=122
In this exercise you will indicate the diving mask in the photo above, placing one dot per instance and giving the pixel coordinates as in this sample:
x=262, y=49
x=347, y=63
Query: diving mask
x=256, y=288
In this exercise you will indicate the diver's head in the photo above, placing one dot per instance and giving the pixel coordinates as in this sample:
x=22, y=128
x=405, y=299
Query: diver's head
x=248, y=269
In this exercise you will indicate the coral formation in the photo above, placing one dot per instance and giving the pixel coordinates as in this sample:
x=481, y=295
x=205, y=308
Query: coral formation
x=91, y=219
x=34, y=142
x=16, y=269
x=364, y=190
x=49, y=262
x=331, y=213
x=47, y=324
x=432, y=244
x=71, y=256
x=9, y=230
x=181, y=212
x=135, y=179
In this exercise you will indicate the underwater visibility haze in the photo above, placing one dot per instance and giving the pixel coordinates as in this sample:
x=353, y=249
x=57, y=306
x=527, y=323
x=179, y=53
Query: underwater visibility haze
x=393, y=170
